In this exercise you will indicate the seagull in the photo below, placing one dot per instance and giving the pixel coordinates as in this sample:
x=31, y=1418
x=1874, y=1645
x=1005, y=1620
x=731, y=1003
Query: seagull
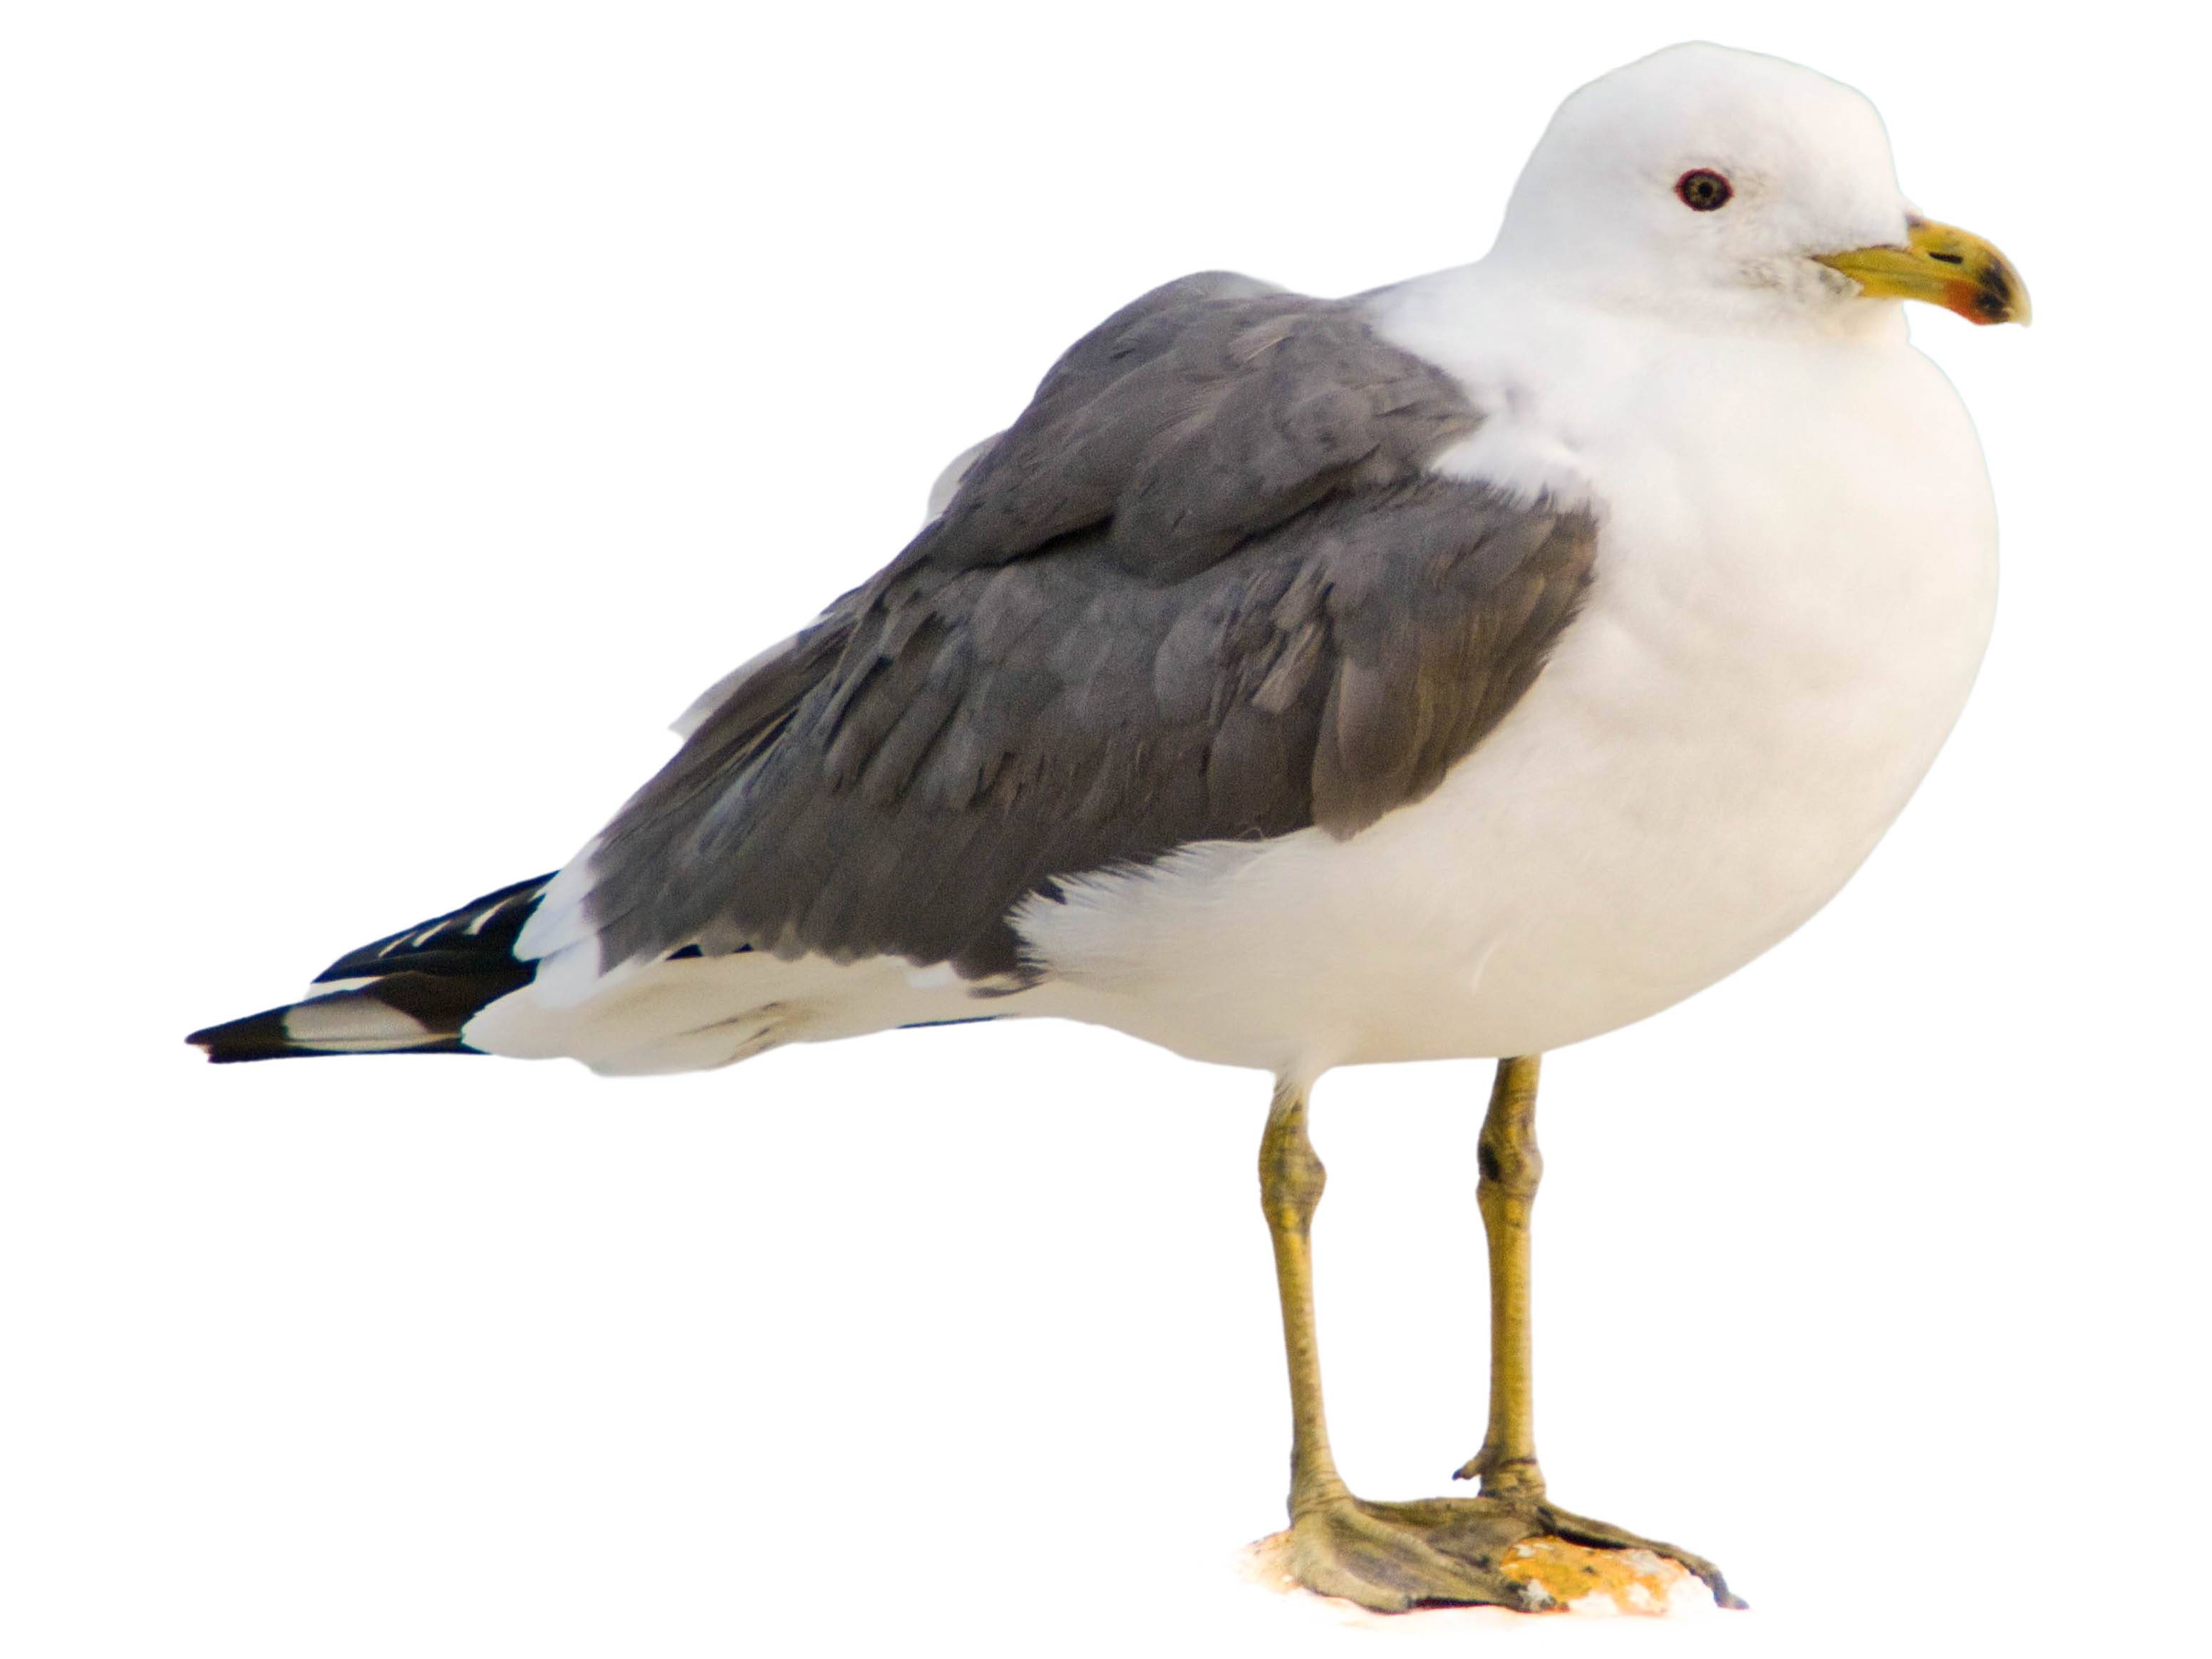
x=1463, y=669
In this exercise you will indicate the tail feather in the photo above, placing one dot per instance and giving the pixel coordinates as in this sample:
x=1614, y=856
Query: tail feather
x=409, y=993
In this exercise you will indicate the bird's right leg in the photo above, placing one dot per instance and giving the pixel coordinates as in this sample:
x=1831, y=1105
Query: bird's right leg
x=1341, y=1546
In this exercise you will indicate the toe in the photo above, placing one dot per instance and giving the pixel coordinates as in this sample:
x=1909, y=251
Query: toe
x=1344, y=1550
x=1581, y=1530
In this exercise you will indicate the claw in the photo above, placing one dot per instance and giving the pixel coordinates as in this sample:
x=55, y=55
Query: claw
x=1484, y=1460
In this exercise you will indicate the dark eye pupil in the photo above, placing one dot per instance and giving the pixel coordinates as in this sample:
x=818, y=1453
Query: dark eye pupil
x=1702, y=190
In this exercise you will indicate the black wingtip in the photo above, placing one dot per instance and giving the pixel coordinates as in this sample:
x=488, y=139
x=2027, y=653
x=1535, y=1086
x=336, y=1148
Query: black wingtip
x=256, y=1037
x=410, y=992
x=264, y=1037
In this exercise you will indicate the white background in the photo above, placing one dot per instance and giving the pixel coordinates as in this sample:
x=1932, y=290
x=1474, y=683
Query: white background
x=408, y=408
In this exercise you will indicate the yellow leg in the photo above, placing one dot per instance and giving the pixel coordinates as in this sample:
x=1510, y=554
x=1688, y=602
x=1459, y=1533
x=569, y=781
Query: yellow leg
x=1393, y=1556
x=1341, y=1547
x=1290, y=1182
x=1512, y=1167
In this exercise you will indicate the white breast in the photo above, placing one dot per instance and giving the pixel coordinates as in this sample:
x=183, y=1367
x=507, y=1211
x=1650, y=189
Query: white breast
x=1793, y=590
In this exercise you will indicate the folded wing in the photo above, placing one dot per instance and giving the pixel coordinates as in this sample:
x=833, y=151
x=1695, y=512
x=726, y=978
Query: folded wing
x=1205, y=586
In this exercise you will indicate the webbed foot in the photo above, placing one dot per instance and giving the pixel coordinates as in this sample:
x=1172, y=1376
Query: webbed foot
x=1391, y=1556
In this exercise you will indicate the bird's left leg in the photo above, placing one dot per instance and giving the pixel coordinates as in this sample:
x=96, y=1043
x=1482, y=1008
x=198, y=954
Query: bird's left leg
x=1510, y=1168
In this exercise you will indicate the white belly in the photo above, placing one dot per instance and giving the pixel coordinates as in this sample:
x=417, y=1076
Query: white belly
x=1792, y=597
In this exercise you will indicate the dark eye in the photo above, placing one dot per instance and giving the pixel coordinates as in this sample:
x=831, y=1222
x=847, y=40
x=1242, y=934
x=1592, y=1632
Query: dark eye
x=1702, y=189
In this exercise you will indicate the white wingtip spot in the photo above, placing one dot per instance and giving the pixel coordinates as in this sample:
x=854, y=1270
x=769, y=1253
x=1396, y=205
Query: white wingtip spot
x=476, y=926
x=353, y=1024
x=330, y=987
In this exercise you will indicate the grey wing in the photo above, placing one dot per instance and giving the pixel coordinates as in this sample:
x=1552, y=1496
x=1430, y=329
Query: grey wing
x=1204, y=587
x=780, y=657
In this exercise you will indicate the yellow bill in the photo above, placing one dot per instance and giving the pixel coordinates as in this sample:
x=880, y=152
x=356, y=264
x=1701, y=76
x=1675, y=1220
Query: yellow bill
x=1945, y=266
